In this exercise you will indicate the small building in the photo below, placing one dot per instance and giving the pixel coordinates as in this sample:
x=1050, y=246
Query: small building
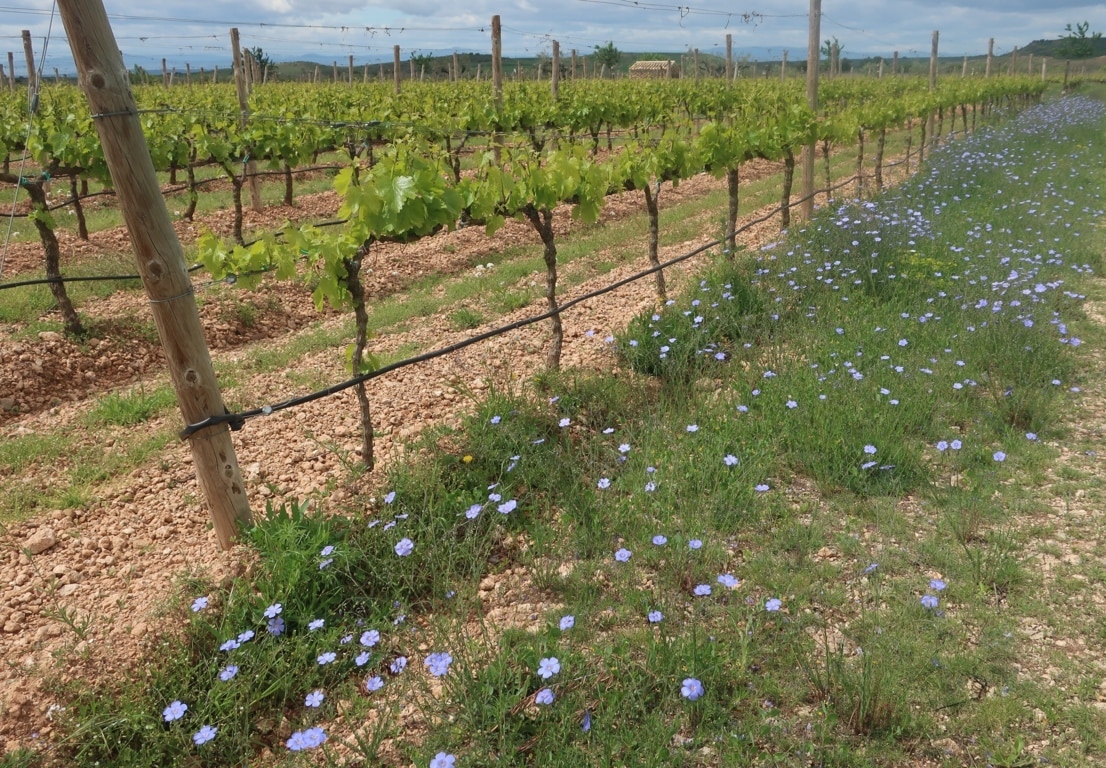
x=657, y=70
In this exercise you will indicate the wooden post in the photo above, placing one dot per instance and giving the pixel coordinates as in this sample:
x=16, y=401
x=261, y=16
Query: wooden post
x=729, y=56
x=932, y=87
x=365, y=73
x=895, y=63
x=964, y=69
x=187, y=74
x=933, y=62
x=318, y=73
x=244, y=114
x=411, y=66
x=556, y=78
x=880, y=68
x=159, y=258
x=783, y=66
x=215, y=74
x=1067, y=73
x=584, y=67
x=164, y=74
x=57, y=75
x=32, y=73
x=574, y=63
x=1029, y=66
x=395, y=67
x=456, y=71
x=990, y=56
x=351, y=69
x=835, y=51
x=1013, y=60
x=806, y=208
x=334, y=70
x=696, y=60
x=497, y=61
x=1044, y=67
x=497, y=81
x=11, y=71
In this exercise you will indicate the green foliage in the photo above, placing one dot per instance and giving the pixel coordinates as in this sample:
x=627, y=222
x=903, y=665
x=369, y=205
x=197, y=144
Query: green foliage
x=608, y=56
x=1079, y=42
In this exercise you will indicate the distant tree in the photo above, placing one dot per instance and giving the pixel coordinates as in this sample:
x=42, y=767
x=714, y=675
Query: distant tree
x=264, y=61
x=828, y=48
x=423, y=62
x=608, y=55
x=1078, y=43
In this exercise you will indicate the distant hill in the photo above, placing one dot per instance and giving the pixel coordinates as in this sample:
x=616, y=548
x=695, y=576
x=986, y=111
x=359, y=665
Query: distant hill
x=1055, y=48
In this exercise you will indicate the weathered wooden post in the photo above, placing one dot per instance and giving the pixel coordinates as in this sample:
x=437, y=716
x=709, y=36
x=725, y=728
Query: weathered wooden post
x=159, y=258
x=812, y=55
x=244, y=114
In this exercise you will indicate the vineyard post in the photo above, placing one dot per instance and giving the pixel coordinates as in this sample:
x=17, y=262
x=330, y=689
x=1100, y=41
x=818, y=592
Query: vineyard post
x=497, y=62
x=11, y=71
x=244, y=114
x=159, y=258
x=556, y=69
x=411, y=66
x=895, y=63
x=318, y=72
x=334, y=71
x=584, y=67
x=2, y=75
x=574, y=63
x=783, y=65
x=696, y=60
x=456, y=71
x=395, y=67
x=1013, y=60
x=1029, y=66
x=1067, y=73
x=365, y=73
x=964, y=69
x=164, y=74
x=880, y=75
x=990, y=56
x=351, y=69
x=933, y=62
x=1044, y=67
x=32, y=75
x=497, y=82
x=813, y=48
x=215, y=75
x=729, y=56
x=835, y=51
x=187, y=74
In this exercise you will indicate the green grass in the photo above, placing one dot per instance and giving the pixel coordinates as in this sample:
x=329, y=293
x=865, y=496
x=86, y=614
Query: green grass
x=129, y=408
x=798, y=437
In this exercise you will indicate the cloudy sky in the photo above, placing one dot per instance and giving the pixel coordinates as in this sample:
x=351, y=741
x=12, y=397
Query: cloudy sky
x=325, y=30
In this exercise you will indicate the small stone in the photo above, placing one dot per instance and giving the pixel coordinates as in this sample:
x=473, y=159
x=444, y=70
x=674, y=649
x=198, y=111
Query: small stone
x=51, y=336
x=67, y=590
x=41, y=540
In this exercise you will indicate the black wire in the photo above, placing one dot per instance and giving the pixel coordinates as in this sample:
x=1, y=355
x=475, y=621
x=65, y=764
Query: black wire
x=239, y=418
